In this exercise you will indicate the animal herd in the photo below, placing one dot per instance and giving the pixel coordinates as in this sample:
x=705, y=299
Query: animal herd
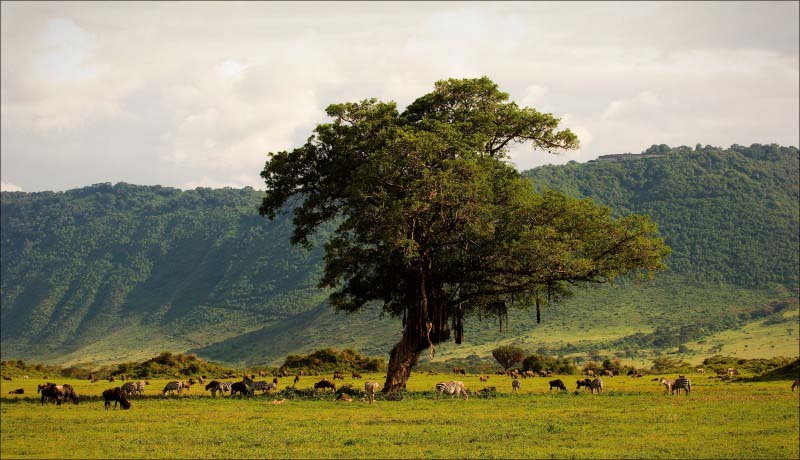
x=58, y=394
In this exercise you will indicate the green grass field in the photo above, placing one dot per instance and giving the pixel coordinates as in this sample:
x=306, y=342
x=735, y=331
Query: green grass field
x=632, y=419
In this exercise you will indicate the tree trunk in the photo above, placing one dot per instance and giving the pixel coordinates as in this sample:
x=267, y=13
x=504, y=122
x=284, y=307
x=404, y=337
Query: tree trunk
x=404, y=356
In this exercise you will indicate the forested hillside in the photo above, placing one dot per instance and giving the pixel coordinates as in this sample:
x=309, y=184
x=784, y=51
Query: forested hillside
x=114, y=273
x=149, y=267
x=730, y=215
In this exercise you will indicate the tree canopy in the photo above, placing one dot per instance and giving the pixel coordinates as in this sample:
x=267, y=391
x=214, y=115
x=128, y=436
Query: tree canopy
x=435, y=224
x=508, y=355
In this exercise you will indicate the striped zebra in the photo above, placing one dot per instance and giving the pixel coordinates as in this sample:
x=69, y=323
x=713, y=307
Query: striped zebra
x=130, y=388
x=216, y=386
x=173, y=386
x=264, y=386
x=370, y=388
x=452, y=388
x=597, y=385
x=682, y=383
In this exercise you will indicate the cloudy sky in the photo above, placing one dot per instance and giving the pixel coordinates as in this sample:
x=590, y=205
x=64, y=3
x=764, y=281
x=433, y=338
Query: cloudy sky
x=197, y=94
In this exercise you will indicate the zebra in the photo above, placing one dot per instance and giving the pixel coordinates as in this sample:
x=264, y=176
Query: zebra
x=130, y=388
x=370, y=388
x=597, y=385
x=452, y=388
x=173, y=386
x=682, y=383
x=216, y=386
x=515, y=385
x=264, y=386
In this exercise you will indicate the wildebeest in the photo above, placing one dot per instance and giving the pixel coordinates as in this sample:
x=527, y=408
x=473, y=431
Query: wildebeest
x=371, y=387
x=557, y=383
x=57, y=393
x=325, y=383
x=21, y=391
x=484, y=378
x=515, y=385
x=337, y=375
x=356, y=375
x=795, y=384
x=586, y=383
x=241, y=388
x=7, y=377
x=118, y=396
x=530, y=374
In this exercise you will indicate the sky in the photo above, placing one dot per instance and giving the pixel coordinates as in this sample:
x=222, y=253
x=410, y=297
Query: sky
x=197, y=94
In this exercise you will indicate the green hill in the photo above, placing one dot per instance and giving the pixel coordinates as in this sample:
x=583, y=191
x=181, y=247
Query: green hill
x=109, y=273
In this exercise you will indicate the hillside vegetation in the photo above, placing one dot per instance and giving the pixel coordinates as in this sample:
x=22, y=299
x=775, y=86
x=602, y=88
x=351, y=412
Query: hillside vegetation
x=106, y=274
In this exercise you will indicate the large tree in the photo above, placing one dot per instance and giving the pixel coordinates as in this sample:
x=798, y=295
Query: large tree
x=431, y=221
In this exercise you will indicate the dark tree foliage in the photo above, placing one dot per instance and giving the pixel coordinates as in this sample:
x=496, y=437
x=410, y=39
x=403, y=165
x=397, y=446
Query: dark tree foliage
x=435, y=224
x=508, y=355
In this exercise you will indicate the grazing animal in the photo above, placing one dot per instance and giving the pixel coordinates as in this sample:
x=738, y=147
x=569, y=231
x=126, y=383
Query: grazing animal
x=216, y=386
x=682, y=383
x=111, y=378
x=667, y=384
x=530, y=374
x=6, y=377
x=264, y=386
x=325, y=383
x=57, y=393
x=589, y=373
x=515, y=385
x=586, y=383
x=241, y=388
x=21, y=391
x=296, y=379
x=356, y=375
x=173, y=386
x=484, y=378
x=453, y=388
x=262, y=374
x=459, y=370
x=795, y=384
x=338, y=375
x=557, y=383
x=700, y=370
x=130, y=388
x=371, y=387
x=597, y=385
x=118, y=396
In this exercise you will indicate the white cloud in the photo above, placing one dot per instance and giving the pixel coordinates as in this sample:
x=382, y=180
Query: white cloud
x=172, y=92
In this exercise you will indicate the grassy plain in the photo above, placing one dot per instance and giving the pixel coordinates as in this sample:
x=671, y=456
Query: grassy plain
x=633, y=419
